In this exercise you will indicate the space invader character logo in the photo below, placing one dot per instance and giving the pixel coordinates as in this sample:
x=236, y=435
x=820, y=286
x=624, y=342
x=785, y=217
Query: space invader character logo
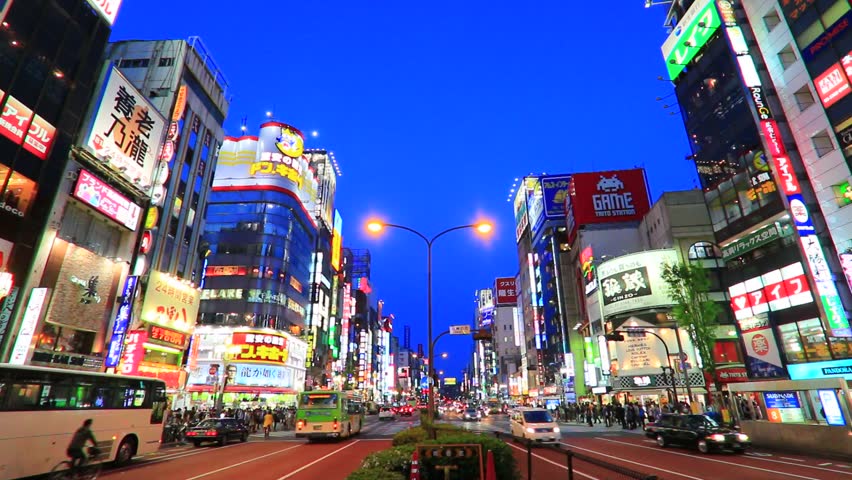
x=611, y=201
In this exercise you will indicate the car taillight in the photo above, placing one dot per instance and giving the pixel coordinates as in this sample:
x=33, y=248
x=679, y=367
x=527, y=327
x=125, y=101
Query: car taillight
x=211, y=432
x=300, y=424
x=334, y=425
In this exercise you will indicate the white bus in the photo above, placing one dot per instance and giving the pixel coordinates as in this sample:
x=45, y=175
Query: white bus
x=40, y=408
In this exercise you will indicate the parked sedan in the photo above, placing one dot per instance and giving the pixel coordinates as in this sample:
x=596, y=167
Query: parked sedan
x=218, y=430
x=699, y=431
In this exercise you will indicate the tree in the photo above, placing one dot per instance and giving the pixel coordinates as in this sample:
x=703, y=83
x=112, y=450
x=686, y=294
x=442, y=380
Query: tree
x=694, y=310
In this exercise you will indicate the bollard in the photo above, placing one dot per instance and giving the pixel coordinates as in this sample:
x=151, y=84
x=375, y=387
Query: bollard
x=569, y=460
x=529, y=460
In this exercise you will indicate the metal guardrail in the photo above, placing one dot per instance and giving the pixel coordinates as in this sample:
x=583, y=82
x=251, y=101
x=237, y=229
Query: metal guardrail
x=573, y=459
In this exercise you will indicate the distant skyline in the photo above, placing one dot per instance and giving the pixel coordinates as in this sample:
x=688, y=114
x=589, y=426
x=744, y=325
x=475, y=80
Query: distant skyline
x=433, y=109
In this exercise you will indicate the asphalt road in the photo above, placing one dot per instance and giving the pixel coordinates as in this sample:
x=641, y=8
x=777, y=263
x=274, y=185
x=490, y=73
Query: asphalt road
x=283, y=457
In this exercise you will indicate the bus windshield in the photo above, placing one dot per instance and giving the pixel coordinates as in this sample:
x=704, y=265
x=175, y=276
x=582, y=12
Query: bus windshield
x=318, y=400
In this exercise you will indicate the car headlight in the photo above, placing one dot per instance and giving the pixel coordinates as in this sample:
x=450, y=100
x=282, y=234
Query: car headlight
x=716, y=437
x=555, y=429
x=742, y=437
x=530, y=430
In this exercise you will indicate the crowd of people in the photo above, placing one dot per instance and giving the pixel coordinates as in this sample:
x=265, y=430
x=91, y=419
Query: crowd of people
x=630, y=415
x=255, y=418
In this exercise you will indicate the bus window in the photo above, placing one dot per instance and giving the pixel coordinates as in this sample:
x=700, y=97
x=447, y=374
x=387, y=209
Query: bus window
x=321, y=400
x=23, y=396
x=158, y=398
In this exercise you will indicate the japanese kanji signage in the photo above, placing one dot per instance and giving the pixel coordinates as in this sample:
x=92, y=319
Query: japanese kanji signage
x=633, y=282
x=166, y=336
x=133, y=353
x=121, y=322
x=107, y=8
x=756, y=239
x=264, y=376
x=260, y=347
x=126, y=131
x=18, y=124
x=170, y=302
x=505, y=288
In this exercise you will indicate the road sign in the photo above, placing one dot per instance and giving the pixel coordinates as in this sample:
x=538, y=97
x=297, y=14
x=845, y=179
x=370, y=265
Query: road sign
x=459, y=329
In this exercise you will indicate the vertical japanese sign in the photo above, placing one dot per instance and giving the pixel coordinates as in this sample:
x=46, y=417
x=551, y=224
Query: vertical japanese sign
x=763, y=358
x=126, y=130
x=134, y=351
x=833, y=312
x=28, y=326
x=121, y=322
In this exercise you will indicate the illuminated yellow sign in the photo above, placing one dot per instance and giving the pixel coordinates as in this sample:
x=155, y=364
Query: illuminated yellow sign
x=270, y=168
x=290, y=143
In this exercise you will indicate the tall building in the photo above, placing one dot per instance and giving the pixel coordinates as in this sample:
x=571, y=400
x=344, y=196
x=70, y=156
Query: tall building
x=262, y=236
x=184, y=83
x=507, y=337
x=67, y=250
x=746, y=75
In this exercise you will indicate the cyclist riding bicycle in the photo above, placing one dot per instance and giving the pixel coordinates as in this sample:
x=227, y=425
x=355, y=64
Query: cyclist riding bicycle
x=78, y=442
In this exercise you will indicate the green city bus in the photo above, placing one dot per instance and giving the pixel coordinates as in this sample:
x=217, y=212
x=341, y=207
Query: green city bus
x=328, y=414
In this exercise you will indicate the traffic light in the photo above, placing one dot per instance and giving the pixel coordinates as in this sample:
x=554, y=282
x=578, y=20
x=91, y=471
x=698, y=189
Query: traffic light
x=614, y=337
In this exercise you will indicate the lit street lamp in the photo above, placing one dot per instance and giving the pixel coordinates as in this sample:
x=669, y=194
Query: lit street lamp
x=481, y=227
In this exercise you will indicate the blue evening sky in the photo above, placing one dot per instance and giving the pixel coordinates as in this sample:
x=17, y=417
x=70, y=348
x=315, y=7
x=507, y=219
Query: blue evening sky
x=433, y=108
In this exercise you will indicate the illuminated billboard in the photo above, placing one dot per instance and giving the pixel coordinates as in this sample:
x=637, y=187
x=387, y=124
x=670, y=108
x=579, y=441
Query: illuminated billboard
x=18, y=124
x=604, y=197
x=263, y=162
x=106, y=200
x=505, y=289
x=170, y=302
x=689, y=36
x=535, y=204
x=554, y=190
x=336, y=241
x=126, y=130
x=634, y=282
x=107, y=8
x=520, y=207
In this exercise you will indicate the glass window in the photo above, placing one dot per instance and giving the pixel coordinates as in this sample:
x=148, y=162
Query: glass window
x=771, y=20
x=810, y=33
x=804, y=97
x=19, y=194
x=813, y=338
x=841, y=347
x=23, y=396
x=787, y=56
x=792, y=343
x=822, y=143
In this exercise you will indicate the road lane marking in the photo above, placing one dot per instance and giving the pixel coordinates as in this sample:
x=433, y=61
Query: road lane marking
x=563, y=467
x=315, y=461
x=825, y=464
x=793, y=459
x=241, y=463
x=695, y=457
x=146, y=460
x=619, y=459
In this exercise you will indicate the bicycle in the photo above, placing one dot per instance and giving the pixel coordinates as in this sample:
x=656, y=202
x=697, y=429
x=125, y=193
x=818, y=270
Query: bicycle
x=86, y=471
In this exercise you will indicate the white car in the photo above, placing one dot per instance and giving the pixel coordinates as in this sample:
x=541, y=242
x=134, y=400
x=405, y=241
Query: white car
x=472, y=414
x=534, y=424
x=386, y=413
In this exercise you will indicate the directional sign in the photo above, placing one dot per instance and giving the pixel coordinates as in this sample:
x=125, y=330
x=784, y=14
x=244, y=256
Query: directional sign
x=459, y=329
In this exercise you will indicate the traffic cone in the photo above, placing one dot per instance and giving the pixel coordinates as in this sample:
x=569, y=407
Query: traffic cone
x=415, y=466
x=490, y=471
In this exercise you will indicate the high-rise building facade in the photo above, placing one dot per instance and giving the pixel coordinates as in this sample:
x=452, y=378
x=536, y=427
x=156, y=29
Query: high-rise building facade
x=184, y=83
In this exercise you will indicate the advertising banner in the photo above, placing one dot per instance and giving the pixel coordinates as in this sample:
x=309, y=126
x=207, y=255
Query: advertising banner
x=133, y=353
x=260, y=347
x=520, y=208
x=271, y=161
x=612, y=196
x=775, y=290
x=107, y=8
x=763, y=359
x=121, y=322
x=690, y=34
x=554, y=190
x=126, y=131
x=106, y=200
x=633, y=282
x=18, y=124
x=28, y=325
x=783, y=407
x=756, y=239
x=831, y=408
x=336, y=241
x=170, y=302
x=505, y=288
x=535, y=204
x=255, y=375
x=832, y=85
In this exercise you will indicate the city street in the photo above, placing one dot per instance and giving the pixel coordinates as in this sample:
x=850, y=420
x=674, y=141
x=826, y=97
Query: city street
x=284, y=457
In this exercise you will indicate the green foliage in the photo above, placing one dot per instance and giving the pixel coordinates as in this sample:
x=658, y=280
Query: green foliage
x=375, y=474
x=395, y=459
x=504, y=462
x=694, y=310
x=419, y=434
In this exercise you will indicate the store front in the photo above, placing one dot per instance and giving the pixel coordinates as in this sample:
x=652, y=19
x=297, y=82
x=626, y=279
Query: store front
x=256, y=367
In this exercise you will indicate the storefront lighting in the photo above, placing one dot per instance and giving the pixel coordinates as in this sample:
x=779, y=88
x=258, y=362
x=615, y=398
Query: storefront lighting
x=161, y=348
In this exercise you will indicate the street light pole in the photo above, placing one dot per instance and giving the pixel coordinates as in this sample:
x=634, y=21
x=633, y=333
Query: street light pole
x=481, y=227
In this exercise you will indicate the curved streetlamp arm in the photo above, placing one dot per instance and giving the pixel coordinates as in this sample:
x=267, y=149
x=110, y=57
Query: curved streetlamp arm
x=448, y=231
x=403, y=227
